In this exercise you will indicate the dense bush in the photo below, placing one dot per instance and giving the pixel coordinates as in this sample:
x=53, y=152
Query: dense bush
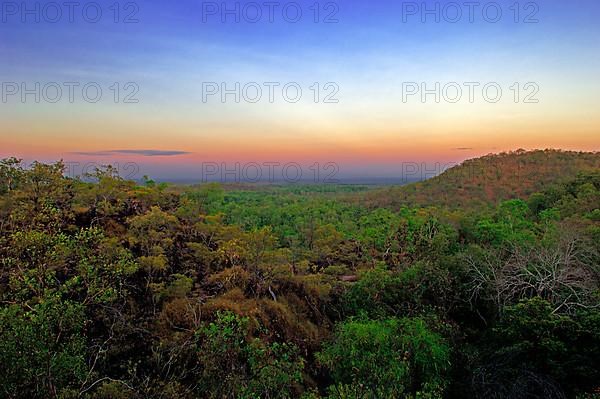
x=392, y=357
x=114, y=289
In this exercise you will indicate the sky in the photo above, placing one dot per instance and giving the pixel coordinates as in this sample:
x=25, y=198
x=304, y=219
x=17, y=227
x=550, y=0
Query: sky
x=187, y=90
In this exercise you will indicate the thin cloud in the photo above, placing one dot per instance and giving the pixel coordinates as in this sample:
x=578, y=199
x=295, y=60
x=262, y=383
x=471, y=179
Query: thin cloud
x=145, y=153
x=462, y=148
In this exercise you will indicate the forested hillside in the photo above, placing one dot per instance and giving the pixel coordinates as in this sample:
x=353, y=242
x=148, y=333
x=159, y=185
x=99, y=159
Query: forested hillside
x=485, y=288
x=490, y=179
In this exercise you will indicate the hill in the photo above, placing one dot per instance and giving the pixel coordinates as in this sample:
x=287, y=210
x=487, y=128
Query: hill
x=490, y=179
x=111, y=289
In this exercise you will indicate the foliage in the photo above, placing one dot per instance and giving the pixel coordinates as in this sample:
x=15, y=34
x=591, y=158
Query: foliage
x=392, y=357
x=485, y=285
x=236, y=366
x=536, y=351
x=42, y=349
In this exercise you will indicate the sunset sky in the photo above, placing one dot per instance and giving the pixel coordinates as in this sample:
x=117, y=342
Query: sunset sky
x=369, y=55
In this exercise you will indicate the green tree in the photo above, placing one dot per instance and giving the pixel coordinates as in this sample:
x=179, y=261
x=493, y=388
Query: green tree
x=237, y=366
x=393, y=357
x=535, y=352
x=42, y=349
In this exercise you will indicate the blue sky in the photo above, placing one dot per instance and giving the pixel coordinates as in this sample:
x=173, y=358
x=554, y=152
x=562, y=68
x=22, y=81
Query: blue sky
x=368, y=53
